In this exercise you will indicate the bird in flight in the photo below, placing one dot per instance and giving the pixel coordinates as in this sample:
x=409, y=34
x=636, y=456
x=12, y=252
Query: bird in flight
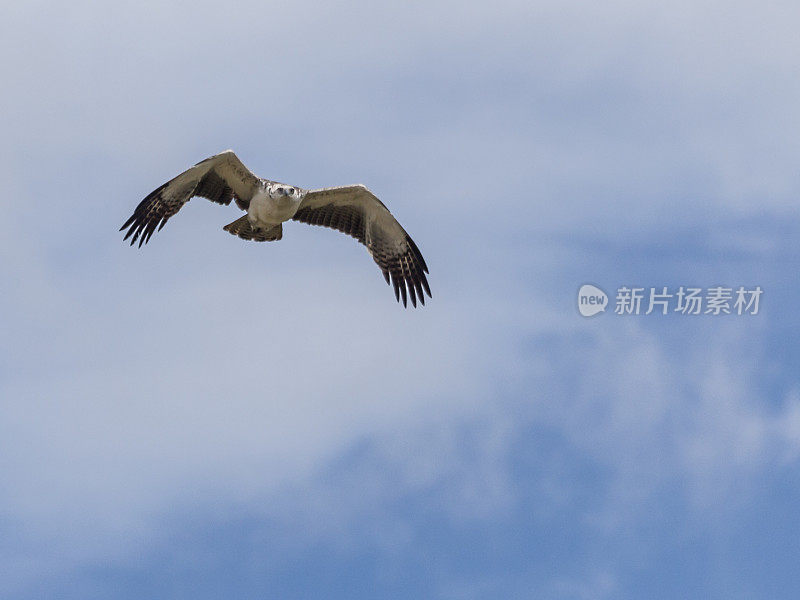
x=351, y=209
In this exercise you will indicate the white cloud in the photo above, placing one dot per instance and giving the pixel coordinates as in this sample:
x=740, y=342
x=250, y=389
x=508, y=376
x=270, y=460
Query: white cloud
x=694, y=421
x=127, y=398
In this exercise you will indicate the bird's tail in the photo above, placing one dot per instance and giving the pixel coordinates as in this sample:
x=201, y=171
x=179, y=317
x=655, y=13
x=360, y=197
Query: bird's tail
x=242, y=228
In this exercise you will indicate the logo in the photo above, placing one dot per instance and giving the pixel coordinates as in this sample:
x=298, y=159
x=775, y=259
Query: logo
x=664, y=300
x=591, y=300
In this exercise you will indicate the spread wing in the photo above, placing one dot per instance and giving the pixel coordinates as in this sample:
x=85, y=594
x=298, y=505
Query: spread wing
x=354, y=210
x=220, y=178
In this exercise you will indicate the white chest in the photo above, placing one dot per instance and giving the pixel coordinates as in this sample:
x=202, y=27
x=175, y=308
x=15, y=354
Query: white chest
x=273, y=205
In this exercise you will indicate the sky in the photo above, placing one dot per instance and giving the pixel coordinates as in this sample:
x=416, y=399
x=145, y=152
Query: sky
x=206, y=418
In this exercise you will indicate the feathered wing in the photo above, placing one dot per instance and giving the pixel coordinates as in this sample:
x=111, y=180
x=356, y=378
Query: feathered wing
x=220, y=178
x=354, y=210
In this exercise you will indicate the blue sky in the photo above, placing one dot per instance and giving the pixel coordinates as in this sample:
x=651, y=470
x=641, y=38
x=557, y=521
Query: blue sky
x=205, y=418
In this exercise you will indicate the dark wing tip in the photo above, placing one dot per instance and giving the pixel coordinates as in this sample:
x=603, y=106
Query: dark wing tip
x=406, y=272
x=396, y=284
x=127, y=223
x=417, y=254
x=149, y=216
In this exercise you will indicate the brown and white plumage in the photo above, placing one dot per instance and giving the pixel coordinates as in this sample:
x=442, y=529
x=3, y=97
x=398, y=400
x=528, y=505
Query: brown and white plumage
x=353, y=210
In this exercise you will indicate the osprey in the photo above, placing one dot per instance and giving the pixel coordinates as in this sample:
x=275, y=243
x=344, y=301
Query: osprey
x=351, y=209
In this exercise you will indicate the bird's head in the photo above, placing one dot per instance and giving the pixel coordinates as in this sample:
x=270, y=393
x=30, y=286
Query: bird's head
x=286, y=190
